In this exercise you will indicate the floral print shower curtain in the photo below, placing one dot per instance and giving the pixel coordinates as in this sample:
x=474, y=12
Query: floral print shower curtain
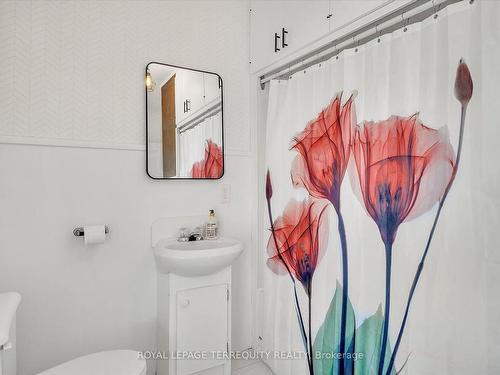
x=380, y=248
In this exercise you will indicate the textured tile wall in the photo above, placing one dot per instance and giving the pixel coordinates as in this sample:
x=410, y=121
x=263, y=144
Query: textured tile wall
x=71, y=72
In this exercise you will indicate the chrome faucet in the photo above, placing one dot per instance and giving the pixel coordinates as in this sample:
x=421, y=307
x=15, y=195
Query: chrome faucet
x=195, y=235
x=183, y=235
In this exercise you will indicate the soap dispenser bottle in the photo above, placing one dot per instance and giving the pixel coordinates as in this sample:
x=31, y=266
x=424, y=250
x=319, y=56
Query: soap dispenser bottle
x=211, y=226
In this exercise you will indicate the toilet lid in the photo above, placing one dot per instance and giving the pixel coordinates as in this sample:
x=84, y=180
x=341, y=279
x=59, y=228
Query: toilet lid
x=115, y=362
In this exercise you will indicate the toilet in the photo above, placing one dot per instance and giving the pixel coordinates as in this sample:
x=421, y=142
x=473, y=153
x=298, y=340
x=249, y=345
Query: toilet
x=113, y=362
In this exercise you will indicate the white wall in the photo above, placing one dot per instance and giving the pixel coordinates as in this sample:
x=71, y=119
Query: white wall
x=72, y=73
x=160, y=75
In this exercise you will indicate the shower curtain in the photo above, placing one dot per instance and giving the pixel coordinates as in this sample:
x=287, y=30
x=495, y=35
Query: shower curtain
x=381, y=217
x=193, y=142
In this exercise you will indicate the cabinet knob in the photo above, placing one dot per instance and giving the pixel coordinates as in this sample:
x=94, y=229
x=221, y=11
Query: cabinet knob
x=185, y=303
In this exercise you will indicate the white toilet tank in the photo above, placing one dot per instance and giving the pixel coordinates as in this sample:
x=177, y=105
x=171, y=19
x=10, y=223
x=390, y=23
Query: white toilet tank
x=8, y=307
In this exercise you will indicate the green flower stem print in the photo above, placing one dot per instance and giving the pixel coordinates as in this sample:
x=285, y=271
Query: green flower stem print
x=327, y=356
x=363, y=357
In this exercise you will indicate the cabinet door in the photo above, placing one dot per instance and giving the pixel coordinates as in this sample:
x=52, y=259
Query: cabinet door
x=345, y=11
x=180, y=80
x=304, y=20
x=189, y=86
x=202, y=326
x=194, y=91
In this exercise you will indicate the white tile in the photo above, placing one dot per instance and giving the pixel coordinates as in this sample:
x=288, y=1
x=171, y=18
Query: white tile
x=255, y=368
x=237, y=364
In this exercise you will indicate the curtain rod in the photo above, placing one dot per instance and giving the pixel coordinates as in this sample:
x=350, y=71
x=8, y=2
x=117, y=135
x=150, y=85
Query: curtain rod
x=212, y=109
x=408, y=14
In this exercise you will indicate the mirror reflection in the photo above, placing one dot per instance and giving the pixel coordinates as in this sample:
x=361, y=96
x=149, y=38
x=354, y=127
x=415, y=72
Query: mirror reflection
x=184, y=123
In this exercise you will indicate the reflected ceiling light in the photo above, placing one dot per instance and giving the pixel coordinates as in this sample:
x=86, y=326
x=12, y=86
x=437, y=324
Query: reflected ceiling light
x=150, y=84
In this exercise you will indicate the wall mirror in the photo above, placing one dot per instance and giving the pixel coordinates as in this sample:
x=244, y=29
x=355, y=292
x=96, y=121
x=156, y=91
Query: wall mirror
x=184, y=123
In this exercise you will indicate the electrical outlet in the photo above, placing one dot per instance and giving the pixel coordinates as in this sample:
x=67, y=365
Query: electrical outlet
x=226, y=194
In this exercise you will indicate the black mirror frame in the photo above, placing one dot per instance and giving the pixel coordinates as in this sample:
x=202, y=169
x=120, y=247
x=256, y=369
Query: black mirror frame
x=221, y=84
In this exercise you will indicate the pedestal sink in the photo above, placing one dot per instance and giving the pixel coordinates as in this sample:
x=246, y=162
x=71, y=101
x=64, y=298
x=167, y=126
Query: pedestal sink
x=194, y=303
x=196, y=258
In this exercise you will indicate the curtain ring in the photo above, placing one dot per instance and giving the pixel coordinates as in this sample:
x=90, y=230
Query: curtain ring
x=435, y=9
x=356, y=44
x=378, y=33
x=315, y=56
x=405, y=23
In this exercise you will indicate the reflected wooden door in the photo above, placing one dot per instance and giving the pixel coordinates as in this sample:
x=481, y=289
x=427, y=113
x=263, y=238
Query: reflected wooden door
x=168, y=127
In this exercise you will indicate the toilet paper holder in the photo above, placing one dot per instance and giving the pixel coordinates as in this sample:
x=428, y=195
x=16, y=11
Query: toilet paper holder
x=79, y=232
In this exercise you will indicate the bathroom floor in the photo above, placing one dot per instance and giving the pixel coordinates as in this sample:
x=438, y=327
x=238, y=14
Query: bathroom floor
x=250, y=367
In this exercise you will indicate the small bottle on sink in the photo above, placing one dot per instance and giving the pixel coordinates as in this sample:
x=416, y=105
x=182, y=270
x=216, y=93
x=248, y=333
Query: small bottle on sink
x=211, y=226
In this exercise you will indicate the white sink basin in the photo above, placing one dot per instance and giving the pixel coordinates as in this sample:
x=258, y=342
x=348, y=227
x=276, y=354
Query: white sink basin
x=196, y=258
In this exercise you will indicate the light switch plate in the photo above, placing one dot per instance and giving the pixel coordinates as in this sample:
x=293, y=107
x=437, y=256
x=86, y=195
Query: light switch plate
x=226, y=194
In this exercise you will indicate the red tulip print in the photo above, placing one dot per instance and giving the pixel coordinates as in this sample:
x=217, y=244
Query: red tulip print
x=296, y=244
x=295, y=248
x=324, y=150
x=463, y=83
x=463, y=93
x=212, y=165
x=403, y=168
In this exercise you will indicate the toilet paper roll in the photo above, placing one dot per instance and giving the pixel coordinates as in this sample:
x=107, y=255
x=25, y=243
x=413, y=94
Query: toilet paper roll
x=94, y=234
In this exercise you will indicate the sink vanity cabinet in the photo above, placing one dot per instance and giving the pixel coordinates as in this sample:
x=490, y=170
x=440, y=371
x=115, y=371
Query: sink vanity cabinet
x=194, y=323
x=194, y=299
